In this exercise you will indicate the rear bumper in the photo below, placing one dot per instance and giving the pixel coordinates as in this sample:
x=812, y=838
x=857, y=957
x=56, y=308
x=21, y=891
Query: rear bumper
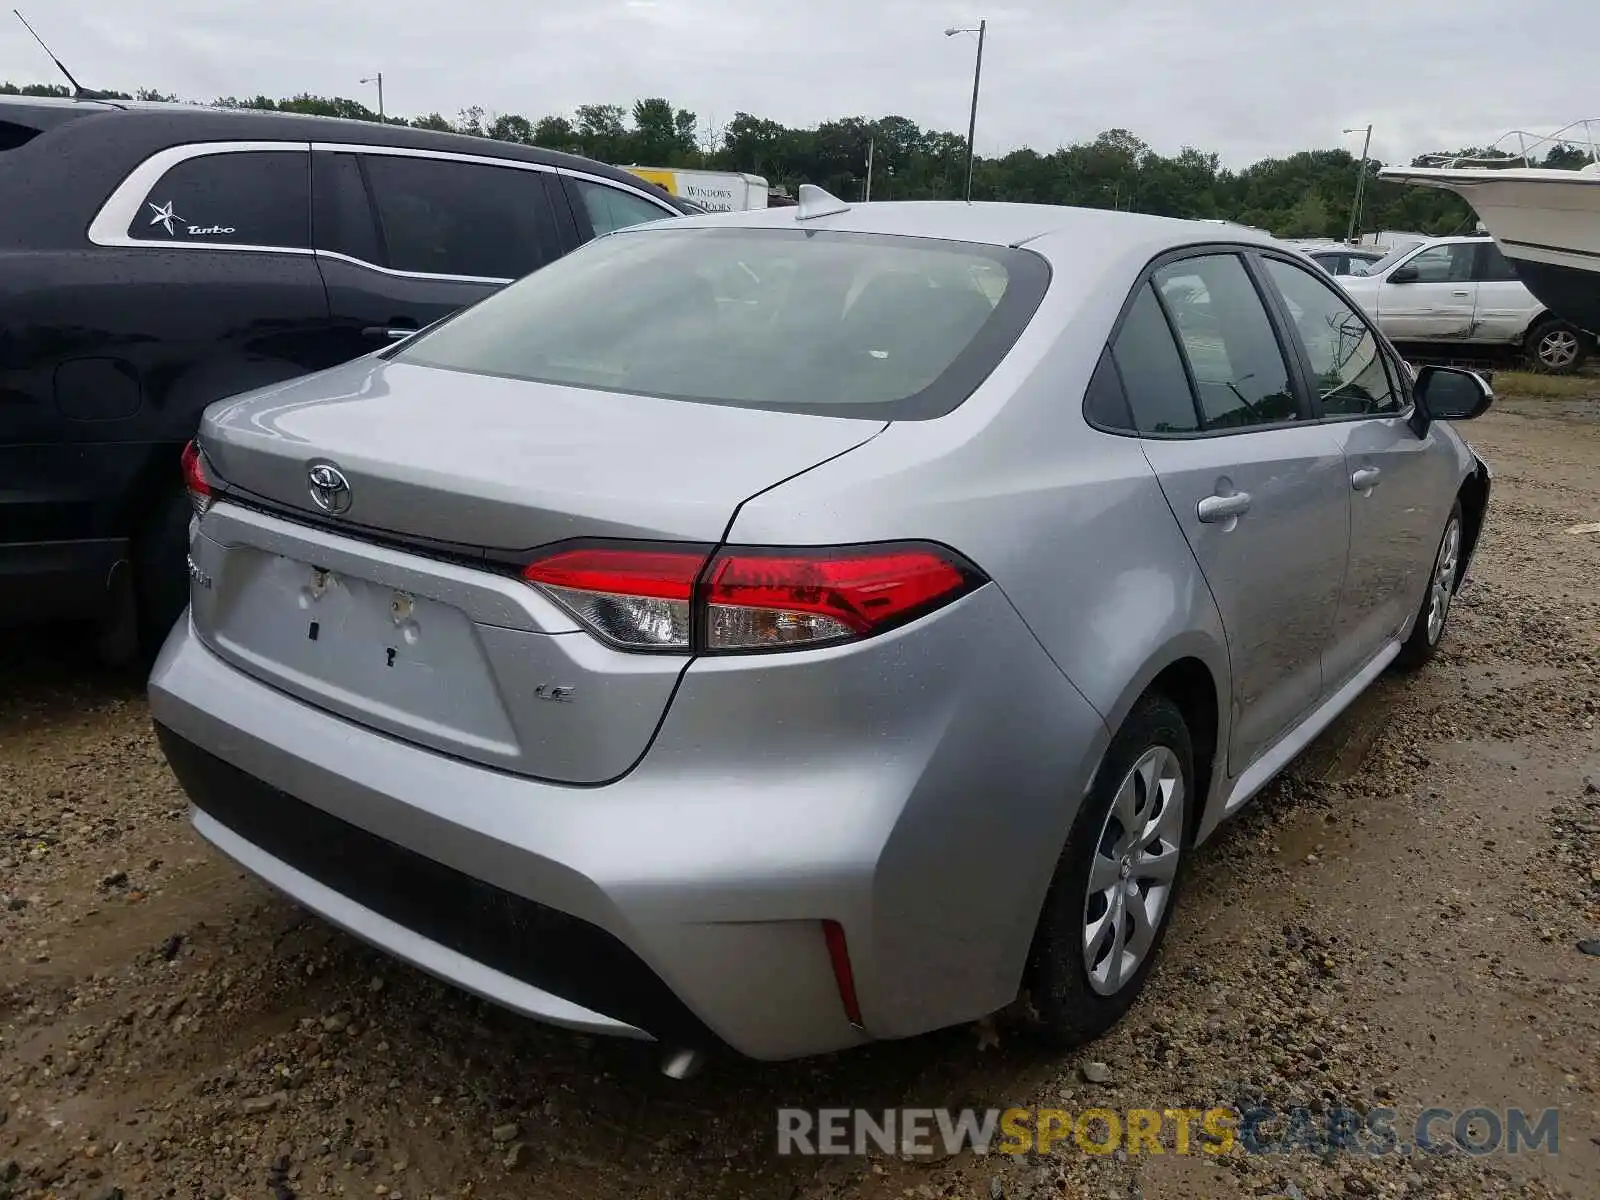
x=915, y=789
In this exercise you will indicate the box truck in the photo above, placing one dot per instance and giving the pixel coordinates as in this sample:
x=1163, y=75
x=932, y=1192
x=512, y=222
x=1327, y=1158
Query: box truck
x=716, y=191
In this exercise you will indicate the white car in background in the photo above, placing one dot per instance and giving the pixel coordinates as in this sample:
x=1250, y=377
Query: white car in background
x=1461, y=292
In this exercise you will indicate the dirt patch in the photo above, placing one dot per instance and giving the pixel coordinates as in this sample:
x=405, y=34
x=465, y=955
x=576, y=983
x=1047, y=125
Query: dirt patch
x=1395, y=923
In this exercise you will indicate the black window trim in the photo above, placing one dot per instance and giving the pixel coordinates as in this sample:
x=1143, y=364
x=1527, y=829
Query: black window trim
x=1392, y=363
x=1244, y=251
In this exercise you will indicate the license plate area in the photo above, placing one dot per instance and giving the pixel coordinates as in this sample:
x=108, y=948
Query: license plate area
x=379, y=654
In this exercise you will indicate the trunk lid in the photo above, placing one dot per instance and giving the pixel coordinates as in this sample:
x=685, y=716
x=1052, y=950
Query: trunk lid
x=437, y=649
x=506, y=464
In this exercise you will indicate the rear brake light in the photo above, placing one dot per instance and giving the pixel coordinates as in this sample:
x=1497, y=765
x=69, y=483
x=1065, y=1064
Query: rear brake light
x=638, y=599
x=195, y=480
x=761, y=599
x=749, y=598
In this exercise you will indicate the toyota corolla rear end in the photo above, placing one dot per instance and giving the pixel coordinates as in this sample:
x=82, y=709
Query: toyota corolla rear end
x=473, y=669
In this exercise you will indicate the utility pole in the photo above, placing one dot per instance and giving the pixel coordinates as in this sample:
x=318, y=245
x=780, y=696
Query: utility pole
x=977, y=76
x=378, y=79
x=1361, y=182
x=868, y=196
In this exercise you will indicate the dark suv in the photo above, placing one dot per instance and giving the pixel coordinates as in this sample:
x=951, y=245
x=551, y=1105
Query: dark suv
x=157, y=257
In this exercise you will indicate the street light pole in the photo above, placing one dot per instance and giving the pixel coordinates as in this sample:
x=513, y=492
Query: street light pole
x=1361, y=180
x=868, y=196
x=977, y=77
x=377, y=79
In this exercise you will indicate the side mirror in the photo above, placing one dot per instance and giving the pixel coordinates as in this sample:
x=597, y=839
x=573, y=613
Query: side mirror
x=1449, y=394
x=1406, y=274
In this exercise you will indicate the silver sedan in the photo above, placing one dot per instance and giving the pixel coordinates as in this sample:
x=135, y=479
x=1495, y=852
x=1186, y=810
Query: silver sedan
x=795, y=628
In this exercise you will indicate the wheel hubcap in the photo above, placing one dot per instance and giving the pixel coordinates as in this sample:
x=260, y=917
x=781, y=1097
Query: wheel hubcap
x=1131, y=875
x=1444, y=581
x=1558, y=348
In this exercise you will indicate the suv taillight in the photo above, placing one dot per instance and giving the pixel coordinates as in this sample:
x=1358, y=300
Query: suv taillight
x=745, y=598
x=195, y=479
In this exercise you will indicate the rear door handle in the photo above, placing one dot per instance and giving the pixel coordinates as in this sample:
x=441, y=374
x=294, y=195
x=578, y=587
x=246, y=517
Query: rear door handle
x=386, y=333
x=1214, y=509
x=1366, y=477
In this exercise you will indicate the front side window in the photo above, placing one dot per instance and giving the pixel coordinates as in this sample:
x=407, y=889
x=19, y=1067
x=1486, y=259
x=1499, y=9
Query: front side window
x=1347, y=364
x=1445, y=264
x=442, y=217
x=1239, y=370
x=791, y=319
x=242, y=198
x=611, y=209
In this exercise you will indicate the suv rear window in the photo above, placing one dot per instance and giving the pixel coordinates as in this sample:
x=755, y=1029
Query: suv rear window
x=858, y=325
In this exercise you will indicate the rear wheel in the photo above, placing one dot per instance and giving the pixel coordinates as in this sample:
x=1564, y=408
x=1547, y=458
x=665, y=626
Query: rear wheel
x=1556, y=348
x=1427, y=631
x=1116, y=883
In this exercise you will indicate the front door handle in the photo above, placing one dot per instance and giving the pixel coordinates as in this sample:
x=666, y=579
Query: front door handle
x=1215, y=509
x=1365, y=478
x=1461, y=293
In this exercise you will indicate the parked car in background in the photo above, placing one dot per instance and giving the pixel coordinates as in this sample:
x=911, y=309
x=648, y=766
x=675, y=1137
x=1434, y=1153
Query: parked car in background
x=1459, y=294
x=157, y=257
x=793, y=628
x=1343, y=260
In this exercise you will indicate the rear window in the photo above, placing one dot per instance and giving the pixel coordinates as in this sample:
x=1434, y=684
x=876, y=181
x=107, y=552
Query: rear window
x=799, y=320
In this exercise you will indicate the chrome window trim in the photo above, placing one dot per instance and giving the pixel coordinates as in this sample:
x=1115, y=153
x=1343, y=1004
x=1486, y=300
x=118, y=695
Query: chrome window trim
x=667, y=209
x=110, y=225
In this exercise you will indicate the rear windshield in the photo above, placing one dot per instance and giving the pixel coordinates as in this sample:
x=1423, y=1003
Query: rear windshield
x=858, y=325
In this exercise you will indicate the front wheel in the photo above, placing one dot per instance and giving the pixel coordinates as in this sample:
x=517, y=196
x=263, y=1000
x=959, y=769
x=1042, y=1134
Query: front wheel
x=1116, y=882
x=1556, y=348
x=1427, y=631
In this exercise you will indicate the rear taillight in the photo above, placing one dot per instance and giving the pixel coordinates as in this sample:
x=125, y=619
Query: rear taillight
x=195, y=480
x=743, y=599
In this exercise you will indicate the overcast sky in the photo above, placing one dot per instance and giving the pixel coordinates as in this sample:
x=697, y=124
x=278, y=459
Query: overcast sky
x=1246, y=78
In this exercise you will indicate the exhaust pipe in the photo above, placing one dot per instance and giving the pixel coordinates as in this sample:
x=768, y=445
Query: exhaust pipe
x=680, y=1064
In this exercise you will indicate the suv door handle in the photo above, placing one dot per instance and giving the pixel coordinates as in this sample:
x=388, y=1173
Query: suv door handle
x=1461, y=293
x=386, y=333
x=1214, y=509
x=1366, y=477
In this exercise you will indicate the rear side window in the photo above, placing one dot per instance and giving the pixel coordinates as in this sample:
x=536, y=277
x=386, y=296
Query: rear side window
x=1152, y=371
x=247, y=198
x=1240, y=374
x=441, y=217
x=610, y=209
x=799, y=320
x=1492, y=265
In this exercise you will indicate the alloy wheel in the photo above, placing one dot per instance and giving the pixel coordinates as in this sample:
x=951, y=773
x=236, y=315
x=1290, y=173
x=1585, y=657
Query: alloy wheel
x=1443, y=586
x=1132, y=873
x=1557, y=350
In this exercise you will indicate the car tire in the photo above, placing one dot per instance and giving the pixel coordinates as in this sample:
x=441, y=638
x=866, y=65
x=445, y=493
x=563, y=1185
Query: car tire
x=160, y=575
x=1556, y=348
x=1079, y=978
x=1427, y=631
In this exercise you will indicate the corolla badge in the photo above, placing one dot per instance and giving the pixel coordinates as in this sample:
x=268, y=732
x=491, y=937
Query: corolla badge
x=330, y=490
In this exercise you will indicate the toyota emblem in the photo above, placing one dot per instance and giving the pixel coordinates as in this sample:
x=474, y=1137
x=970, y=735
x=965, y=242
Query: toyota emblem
x=330, y=490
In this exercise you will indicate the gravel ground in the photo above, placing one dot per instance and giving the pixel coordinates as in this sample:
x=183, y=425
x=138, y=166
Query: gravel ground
x=1395, y=923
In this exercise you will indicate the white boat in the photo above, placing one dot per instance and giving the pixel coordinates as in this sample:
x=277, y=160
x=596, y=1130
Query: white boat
x=1546, y=221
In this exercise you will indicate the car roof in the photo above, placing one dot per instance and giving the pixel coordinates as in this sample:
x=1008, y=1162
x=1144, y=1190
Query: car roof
x=993, y=224
x=155, y=122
